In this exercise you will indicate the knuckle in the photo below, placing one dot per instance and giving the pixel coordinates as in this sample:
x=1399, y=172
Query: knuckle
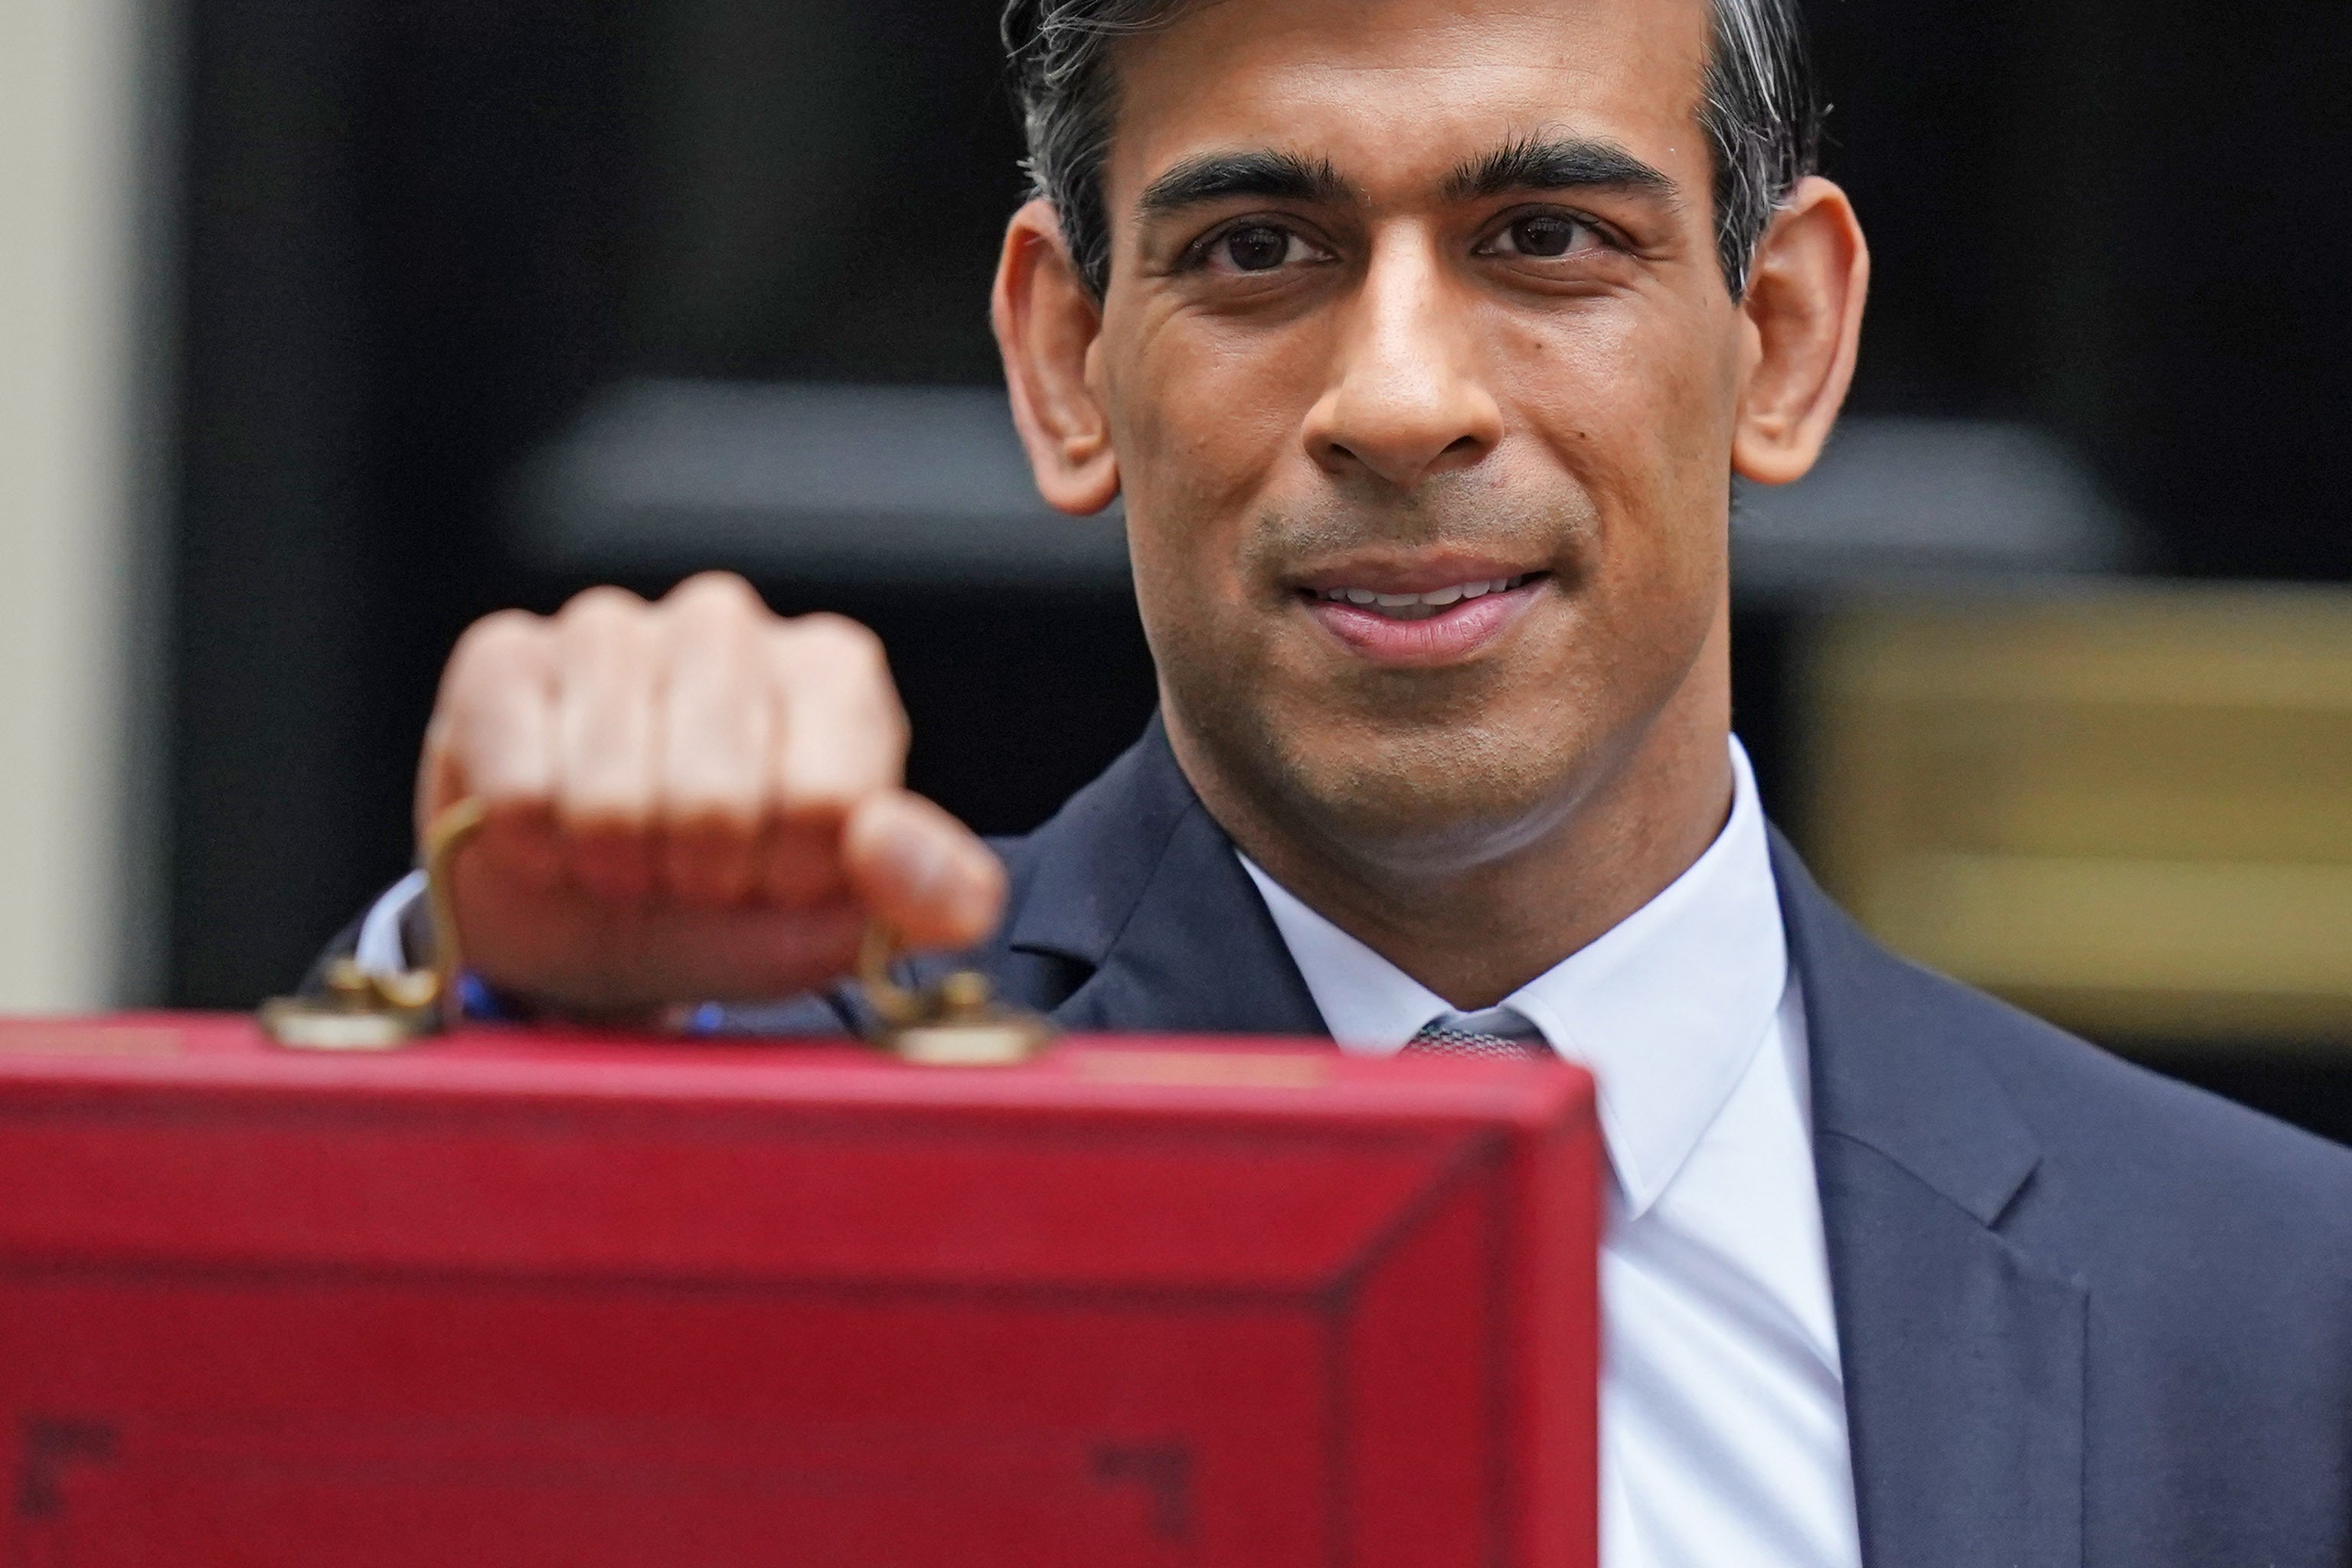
x=496, y=643
x=600, y=605
x=718, y=591
x=836, y=642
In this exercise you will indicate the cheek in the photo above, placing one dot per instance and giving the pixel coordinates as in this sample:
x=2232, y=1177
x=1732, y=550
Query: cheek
x=1641, y=420
x=1206, y=434
x=1206, y=411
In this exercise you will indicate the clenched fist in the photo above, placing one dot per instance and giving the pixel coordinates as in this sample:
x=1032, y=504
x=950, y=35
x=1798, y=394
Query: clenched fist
x=694, y=799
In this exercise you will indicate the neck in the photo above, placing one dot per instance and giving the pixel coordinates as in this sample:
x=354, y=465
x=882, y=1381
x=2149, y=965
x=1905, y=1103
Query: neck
x=1475, y=933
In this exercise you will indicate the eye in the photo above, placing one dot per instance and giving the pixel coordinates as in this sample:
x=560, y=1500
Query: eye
x=1257, y=247
x=1544, y=236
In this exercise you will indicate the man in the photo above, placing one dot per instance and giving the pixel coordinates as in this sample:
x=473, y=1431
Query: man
x=1422, y=339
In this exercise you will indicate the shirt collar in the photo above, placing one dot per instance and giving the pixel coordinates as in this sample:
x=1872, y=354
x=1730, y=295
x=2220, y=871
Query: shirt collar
x=1668, y=1009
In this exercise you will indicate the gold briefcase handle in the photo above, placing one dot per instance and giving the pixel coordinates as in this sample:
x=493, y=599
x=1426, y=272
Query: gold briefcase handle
x=368, y=1012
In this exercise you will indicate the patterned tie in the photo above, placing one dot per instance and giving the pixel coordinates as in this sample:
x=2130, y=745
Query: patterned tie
x=1436, y=1040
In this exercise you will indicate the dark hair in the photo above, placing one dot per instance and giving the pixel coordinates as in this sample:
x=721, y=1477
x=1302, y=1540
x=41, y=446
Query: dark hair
x=1761, y=115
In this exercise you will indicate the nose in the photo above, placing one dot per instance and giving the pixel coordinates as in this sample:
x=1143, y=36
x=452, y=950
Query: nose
x=1405, y=401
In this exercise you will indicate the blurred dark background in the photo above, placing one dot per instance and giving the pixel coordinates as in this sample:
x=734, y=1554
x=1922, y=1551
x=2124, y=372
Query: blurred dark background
x=419, y=237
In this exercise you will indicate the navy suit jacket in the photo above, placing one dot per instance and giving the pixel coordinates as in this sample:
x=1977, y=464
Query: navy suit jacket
x=2087, y=1315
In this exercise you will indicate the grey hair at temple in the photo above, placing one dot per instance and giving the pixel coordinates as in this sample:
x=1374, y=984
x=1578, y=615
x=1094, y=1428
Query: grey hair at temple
x=1761, y=114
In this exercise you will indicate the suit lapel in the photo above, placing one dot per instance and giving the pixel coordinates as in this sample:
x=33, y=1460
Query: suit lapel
x=1963, y=1356
x=1138, y=889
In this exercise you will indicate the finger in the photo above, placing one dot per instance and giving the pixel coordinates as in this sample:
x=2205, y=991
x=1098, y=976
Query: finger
x=586, y=958
x=922, y=873
x=744, y=953
x=841, y=738
x=490, y=725
x=492, y=739
x=800, y=861
x=717, y=724
x=842, y=735
x=607, y=675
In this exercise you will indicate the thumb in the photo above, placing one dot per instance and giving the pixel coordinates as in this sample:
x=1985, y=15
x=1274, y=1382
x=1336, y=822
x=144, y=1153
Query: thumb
x=922, y=873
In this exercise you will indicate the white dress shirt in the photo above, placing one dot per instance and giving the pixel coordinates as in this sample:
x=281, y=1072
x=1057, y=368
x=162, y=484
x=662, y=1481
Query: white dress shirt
x=1723, y=1433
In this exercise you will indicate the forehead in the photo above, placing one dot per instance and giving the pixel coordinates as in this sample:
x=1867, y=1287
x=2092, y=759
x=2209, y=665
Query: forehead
x=1400, y=92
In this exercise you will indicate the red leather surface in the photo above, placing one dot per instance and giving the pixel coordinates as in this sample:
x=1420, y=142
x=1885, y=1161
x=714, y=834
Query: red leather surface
x=536, y=1299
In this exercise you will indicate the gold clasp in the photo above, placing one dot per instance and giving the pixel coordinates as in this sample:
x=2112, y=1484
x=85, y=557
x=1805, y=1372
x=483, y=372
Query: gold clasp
x=366, y=1012
x=957, y=1023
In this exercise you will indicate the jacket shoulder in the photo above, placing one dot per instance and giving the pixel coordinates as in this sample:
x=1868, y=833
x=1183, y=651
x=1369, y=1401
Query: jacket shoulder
x=2145, y=1129
x=2189, y=1219
x=2150, y=1183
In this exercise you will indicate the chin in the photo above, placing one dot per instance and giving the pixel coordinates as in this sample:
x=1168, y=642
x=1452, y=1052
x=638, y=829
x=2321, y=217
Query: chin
x=1420, y=798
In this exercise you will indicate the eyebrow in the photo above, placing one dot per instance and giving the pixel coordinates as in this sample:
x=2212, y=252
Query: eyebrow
x=1558, y=164
x=1529, y=164
x=1220, y=176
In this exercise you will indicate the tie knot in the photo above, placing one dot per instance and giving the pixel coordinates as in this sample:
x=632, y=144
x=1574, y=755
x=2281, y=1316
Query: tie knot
x=1436, y=1039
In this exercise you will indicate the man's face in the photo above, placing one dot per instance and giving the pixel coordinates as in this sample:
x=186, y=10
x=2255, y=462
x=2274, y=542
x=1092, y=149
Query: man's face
x=1418, y=302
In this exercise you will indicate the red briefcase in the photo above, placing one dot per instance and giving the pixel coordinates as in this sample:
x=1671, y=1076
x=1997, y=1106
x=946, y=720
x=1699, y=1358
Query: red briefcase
x=516, y=1298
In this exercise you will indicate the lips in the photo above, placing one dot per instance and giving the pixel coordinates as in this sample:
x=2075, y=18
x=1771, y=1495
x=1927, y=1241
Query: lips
x=1422, y=607
x=1401, y=624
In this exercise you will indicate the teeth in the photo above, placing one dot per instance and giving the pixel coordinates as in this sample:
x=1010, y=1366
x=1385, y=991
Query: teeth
x=1437, y=599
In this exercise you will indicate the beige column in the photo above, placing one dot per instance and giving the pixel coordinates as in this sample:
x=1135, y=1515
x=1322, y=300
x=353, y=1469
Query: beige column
x=71, y=133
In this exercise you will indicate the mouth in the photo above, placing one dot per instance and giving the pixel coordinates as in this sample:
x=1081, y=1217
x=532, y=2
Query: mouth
x=1422, y=606
x=1399, y=623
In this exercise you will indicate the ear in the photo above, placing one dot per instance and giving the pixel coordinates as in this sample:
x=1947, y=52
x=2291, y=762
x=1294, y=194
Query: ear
x=1805, y=296
x=1047, y=326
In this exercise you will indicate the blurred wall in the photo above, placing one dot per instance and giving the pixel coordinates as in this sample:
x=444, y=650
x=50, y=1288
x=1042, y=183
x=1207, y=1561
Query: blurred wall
x=72, y=144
